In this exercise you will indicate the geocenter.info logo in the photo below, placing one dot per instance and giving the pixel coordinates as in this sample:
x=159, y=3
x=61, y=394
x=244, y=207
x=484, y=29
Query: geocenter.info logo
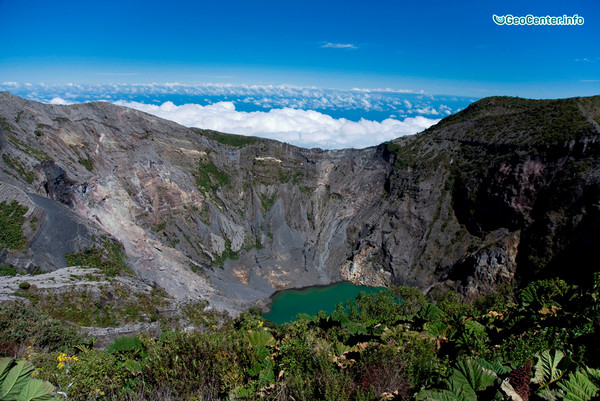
x=534, y=20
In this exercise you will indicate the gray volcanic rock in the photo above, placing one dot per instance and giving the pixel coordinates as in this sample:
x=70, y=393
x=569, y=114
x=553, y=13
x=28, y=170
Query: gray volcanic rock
x=507, y=187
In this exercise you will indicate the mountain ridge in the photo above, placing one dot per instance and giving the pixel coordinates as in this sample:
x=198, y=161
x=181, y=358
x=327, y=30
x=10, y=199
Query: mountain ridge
x=231, y=219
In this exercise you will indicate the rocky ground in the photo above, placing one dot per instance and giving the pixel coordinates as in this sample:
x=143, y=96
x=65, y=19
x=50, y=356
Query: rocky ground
x=506, y=189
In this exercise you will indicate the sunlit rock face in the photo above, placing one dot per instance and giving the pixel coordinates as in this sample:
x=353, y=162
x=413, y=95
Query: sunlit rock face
x=506, y=189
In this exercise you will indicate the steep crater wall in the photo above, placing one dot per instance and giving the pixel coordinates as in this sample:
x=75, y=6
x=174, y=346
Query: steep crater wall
x=506, y=189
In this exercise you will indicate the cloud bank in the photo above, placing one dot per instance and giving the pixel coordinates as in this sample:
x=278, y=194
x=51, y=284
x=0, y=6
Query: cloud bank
x=305, y=128
x=303, y=116
x=381, y=103
x=59, y=101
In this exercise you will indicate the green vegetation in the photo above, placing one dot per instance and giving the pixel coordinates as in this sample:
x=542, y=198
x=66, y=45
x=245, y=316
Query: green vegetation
x=40, y=155
x=255, y=245
x=16, y=165
x=108, y=257
x=538, y=342
x=88, y=163
x=209, y=178
x=197, y=314
x=17, y=383
x=159, y=227
x=305, y=190
x=267, y=201
x=32, y=222
x=109, y=307
x=12, y=218
x=24, y=285
x=283, y=176
x=502, y=119
x=268, y=171
x=22, y=324
x=6, y=127
x=203, y=213
x=8, y=271
x=297, y=177
x=226, y=254
x=237, y=141
x=405, y=155
x=416, y=153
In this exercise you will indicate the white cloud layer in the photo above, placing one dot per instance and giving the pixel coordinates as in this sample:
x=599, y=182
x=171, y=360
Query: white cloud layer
x=303, y=116
x=305, y=128
x=339, y=45
x=348, y=103
x=59, y=101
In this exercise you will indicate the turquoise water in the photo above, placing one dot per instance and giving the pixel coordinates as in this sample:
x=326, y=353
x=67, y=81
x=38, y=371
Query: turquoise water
x=288, y=303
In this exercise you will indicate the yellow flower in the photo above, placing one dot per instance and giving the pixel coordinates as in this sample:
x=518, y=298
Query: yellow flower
x=60, y=365
x=260, y=324
x=63, y=358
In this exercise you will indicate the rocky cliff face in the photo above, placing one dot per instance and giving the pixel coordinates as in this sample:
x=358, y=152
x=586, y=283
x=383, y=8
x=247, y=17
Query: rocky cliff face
x=506, y=188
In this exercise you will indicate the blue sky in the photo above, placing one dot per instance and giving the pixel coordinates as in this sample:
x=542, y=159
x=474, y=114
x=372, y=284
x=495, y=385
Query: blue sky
x=324, y=73
x=431, y=46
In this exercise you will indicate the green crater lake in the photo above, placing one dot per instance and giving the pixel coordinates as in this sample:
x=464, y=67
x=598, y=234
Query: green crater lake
x=287, y=304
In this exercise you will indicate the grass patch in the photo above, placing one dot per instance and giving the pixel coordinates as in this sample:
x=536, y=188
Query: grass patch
x=87, y=163
x=209, y=178
x=283, y=176
x=267, y=201
x=305, y=190
x=10, y=271
x=237, y=141
x=297, y=177
x=5, y=126
x=32, y=222
x=159, y=227
x=16, y=165
x=12, y=217
x=109, y=258
x=29, y=150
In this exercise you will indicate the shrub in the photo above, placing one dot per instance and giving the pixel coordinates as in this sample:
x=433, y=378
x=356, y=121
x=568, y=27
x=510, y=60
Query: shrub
x=97, y=372
x=24, y=285
x=21, y=324
x=197, y=364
